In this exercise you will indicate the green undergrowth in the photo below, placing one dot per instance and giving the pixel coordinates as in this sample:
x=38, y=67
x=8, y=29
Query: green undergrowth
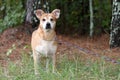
x=74, y=69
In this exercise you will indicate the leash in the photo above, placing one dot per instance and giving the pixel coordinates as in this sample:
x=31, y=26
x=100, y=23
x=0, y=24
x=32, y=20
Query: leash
x=88, y=51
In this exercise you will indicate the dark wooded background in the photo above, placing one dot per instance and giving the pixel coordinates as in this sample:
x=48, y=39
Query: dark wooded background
x=74, y=15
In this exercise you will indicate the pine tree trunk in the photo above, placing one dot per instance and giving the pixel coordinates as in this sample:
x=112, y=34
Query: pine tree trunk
x=115, y=25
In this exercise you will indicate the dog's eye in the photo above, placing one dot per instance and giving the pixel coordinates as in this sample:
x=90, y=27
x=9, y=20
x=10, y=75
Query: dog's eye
x=43, y=19
x=51, y=19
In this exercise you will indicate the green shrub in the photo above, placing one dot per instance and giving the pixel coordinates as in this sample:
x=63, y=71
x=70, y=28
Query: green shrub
x=13, y=14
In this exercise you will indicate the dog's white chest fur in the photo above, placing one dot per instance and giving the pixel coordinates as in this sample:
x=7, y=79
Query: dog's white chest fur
x=46, y=48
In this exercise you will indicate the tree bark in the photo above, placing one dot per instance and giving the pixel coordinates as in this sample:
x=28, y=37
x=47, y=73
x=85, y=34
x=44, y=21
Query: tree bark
x=29, y=10
x=91, y=18
x=31, y=6
x=115, y=25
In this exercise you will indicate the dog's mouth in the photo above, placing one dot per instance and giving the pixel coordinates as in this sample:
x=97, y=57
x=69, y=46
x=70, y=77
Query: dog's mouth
x=48, y=30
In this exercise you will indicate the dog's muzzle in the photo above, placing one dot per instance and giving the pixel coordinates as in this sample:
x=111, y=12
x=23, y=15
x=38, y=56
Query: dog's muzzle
x=48, y=26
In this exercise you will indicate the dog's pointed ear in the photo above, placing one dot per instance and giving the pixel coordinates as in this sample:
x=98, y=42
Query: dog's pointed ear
x=56, y=13
x=39, y=13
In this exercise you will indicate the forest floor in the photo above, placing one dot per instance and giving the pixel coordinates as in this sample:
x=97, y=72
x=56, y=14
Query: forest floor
x=16, y=41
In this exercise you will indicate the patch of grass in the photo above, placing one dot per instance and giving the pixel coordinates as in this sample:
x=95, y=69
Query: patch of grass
x=67, y=69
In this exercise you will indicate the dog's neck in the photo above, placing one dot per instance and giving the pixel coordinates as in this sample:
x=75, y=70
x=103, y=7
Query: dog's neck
x=47, y=35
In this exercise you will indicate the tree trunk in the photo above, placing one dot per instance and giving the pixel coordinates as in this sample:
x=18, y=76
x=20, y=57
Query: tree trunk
x=115, y=25
x=31, y=6
x=91, y=18
x=29, y=9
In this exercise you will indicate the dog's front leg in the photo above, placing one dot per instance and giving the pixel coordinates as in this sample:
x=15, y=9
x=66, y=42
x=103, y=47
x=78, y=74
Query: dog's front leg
x=36, y=58
x=47, y=64
x=54, y=63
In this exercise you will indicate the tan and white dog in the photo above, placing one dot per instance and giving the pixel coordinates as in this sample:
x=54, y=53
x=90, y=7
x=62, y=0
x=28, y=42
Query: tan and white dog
x=43, y=40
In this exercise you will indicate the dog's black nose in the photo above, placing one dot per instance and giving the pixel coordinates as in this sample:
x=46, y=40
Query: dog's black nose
x=48, y=26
